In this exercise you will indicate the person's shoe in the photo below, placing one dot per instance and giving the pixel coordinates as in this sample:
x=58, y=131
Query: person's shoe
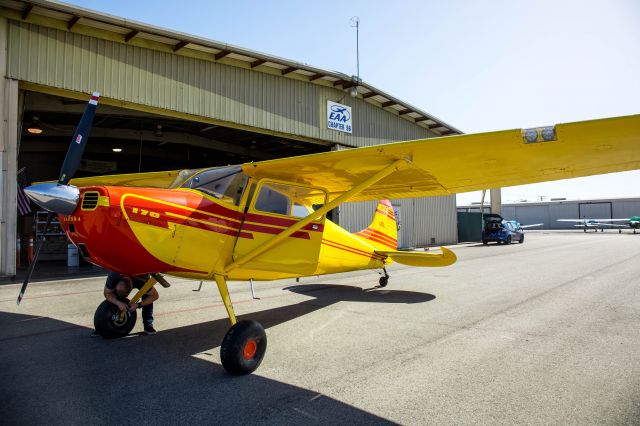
x=149, y=330
x=95, y=334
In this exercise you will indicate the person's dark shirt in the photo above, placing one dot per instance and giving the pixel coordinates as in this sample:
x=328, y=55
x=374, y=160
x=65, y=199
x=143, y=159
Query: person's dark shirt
x=114, y=278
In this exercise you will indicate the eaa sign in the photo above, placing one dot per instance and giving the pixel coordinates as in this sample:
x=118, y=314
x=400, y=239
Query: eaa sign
x=339, y=117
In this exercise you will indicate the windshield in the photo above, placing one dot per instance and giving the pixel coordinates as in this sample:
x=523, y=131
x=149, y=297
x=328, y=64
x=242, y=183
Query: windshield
x=223, y=183
x=183, y=175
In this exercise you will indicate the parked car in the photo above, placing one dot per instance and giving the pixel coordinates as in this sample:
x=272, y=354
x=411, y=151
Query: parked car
x=495, y=228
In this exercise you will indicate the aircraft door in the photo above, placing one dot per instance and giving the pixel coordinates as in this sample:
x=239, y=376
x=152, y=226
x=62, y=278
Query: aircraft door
x=273, y=208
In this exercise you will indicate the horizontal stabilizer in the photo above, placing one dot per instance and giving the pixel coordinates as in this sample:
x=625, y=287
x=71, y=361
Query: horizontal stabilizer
x=422, y=259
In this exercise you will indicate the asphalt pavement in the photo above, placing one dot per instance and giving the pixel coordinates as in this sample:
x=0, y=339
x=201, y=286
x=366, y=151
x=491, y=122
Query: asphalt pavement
x=546, y=332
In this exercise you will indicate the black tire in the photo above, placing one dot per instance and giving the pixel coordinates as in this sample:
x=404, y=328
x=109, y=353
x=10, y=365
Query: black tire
x=508, y=240
x=107, y=322
x=383, y=281
x=243, y=347
x=521, y=240
x=485, y=242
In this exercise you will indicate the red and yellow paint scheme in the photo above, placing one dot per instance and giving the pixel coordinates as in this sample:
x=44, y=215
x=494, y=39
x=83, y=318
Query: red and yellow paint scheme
x=188, y=233
x=268, y=220
x=176, y=223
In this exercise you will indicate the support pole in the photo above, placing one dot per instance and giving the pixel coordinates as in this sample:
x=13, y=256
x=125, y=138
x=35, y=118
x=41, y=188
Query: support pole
x=253, y=294
x=396, y=165
x=9, y=102
x=496, y=200
x=226, y=299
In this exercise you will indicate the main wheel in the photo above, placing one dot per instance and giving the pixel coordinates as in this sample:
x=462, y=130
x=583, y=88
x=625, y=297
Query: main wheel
x=485, y=242
x=521, y=240
x=243, y=347
x=508, y=240
x=110, y=324
x=383, y=281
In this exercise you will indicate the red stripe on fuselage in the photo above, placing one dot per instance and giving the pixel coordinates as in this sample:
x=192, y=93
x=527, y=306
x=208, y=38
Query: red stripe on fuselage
x=351, y=250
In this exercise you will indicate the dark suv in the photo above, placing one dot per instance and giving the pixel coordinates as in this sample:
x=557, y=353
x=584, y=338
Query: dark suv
x=496, y=229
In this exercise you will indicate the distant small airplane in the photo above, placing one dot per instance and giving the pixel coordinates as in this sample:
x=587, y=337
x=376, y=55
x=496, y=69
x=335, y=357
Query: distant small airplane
x=521, y=226
x=595, y=224
x=633, y=222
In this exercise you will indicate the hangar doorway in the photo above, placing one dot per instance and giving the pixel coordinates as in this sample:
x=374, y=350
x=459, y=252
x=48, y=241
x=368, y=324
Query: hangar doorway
x=123, y=141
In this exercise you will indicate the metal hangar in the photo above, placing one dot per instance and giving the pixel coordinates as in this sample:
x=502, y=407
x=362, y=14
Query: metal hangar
x=171, y=100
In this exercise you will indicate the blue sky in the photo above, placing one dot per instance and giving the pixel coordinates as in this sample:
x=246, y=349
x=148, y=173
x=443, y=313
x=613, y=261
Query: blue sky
x=478, y=65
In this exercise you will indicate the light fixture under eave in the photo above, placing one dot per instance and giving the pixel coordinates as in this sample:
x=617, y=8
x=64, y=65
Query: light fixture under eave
x=34, y=128
x=158, y=132
x=116, y=149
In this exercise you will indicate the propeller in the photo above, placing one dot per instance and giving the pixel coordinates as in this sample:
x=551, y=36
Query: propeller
x=25, y=283
x=61, y=198
x=78, y=142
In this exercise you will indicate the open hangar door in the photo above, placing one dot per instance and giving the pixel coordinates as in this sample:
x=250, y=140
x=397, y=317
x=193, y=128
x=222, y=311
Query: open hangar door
x=125, y=141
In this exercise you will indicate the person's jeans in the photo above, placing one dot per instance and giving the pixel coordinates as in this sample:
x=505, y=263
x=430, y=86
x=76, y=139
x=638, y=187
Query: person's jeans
x=147, y=313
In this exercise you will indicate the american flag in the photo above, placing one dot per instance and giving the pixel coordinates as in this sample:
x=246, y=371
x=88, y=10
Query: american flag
x=24, y=204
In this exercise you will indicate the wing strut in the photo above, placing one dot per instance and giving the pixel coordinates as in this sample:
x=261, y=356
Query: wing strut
x=391, y=168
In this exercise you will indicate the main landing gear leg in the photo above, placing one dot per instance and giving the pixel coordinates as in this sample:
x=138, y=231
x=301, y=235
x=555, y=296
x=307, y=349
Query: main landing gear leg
x=384, y=280
x=245, y=344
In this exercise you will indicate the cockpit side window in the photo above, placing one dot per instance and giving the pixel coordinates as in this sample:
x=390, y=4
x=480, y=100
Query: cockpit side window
x=224, y=183
x=288, y=199
x=271, y=201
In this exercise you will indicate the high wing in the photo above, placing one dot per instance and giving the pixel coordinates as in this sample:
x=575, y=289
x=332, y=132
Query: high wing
x=454, y=164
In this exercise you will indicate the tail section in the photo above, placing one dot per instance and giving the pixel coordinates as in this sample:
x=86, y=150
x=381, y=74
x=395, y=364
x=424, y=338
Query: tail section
x=383, y=231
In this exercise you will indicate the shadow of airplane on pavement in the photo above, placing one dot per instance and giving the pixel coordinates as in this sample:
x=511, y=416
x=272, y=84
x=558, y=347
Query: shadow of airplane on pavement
x=53, y=373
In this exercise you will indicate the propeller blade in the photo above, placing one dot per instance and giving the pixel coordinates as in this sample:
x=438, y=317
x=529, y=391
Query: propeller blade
x=50, y=217
x=79, y=141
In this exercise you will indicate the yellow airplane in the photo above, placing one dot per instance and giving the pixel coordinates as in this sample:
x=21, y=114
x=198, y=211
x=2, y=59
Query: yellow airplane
x=267, y=220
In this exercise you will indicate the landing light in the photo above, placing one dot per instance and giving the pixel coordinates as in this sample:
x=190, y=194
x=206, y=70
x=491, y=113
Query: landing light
x=539, y=134
x=116, y=149
x=531, y=135
x=548, y=133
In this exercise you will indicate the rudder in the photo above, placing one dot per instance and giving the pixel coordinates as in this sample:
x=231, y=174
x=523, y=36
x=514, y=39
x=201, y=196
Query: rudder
x=383, y=231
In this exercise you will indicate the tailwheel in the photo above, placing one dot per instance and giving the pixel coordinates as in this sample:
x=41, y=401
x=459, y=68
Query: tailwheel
x=111, y=323
x=384, y=280
x=243, y=347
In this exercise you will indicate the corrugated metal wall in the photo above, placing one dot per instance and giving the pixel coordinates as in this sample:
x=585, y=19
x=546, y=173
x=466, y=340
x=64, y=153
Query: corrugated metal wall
x=142, y=76
x=421, y=219
x=549, y=212
x=172, y=82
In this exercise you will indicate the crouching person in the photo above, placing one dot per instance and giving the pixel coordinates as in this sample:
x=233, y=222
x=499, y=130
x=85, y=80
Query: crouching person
x=119, y=286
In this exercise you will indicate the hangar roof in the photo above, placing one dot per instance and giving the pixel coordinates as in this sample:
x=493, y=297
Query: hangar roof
x=127, y=31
